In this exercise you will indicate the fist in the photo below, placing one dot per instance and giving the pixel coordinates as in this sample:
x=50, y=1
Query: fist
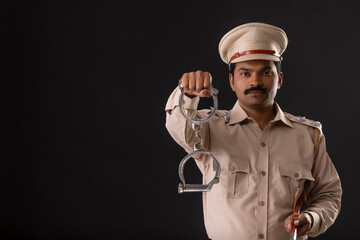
x=300, y=221
x=196, y=84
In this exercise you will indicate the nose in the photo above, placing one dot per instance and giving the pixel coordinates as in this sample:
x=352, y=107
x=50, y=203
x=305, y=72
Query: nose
x=255, y=80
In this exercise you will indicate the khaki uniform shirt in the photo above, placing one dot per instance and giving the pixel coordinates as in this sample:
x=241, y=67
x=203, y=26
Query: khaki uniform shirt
x=260, y=171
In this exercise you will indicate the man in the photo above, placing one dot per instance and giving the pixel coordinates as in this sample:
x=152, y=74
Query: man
x=268, y=157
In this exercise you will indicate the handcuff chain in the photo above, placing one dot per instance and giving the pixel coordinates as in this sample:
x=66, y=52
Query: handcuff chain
x=198, y=143
x=198, y=146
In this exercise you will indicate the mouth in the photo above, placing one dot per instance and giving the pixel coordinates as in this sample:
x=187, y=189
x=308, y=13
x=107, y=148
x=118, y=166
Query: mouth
x=255, y=91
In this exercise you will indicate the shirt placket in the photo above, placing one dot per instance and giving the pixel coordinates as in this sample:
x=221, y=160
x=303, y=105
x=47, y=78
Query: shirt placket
x=263, y=174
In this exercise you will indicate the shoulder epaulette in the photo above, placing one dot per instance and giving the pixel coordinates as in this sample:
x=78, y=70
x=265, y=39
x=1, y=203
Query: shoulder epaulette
x=303, y=120
x=223, y=114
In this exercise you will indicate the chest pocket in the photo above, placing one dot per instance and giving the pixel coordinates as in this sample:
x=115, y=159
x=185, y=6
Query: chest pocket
x=293, y=176
x=234, y=177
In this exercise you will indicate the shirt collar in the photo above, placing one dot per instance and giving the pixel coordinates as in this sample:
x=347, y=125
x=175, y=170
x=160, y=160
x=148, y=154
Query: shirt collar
x=280, y=116
x=238, y=115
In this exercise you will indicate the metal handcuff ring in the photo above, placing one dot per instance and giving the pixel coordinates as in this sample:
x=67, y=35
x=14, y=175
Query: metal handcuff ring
x=183, y=187
x=213, y=92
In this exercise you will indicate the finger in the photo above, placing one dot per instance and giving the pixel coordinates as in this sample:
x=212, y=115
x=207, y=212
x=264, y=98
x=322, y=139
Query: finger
x=207, y=80
x=289, y=222
x=199, y=81
x=302, y=230
x=185, y=81
x=192, y=82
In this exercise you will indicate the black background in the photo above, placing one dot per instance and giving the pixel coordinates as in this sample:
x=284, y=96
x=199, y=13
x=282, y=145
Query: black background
x=85, y=151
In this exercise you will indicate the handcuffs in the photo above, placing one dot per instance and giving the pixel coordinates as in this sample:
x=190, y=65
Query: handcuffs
x=198, y=147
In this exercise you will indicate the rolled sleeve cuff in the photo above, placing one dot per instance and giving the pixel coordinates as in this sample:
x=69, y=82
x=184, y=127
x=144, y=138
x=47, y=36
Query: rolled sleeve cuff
x=315, y=222
x=189, y=103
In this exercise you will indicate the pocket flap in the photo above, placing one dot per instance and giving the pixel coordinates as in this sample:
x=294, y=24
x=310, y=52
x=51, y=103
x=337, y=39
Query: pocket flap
x=239, y=165
x=295, y=171
x=232, y=163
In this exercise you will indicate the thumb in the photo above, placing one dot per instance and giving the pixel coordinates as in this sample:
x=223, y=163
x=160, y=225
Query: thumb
x=205, y=93
x=300, y=221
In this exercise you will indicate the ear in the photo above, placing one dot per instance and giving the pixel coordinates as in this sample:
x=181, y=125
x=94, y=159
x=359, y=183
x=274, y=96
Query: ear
x=231, y=81
x=281, y=78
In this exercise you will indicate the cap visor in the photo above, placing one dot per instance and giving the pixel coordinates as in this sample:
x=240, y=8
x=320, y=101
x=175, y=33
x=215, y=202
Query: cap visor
x=256, y=57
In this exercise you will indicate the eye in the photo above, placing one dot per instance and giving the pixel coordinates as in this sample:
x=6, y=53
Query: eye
x=244, y=74
x=269, y=73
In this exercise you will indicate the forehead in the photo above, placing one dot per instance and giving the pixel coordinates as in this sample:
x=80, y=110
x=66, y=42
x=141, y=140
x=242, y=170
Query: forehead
x=255, y=64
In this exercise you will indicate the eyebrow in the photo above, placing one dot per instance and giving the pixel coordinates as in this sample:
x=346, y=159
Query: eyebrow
x=248, y=69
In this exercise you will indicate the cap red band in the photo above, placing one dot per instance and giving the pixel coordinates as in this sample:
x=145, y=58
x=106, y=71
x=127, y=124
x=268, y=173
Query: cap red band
x=270, y=52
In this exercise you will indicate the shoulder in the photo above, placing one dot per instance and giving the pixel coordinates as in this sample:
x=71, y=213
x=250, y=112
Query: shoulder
x=303, y=121
x=224, y=115
x=220, y=115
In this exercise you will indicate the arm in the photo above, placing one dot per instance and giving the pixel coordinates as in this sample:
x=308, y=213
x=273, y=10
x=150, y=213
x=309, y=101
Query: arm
x=196, y=84
x=323, y=196
x=176, y=124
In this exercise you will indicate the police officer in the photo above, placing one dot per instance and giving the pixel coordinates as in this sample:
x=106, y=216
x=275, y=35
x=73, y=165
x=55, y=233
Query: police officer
x=268, y=157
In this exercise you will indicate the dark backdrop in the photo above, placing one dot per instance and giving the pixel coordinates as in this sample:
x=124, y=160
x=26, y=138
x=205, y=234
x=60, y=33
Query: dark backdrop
x=85, y=153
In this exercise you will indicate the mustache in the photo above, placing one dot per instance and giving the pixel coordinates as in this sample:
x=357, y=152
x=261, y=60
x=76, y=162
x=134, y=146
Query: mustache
x=257, y=88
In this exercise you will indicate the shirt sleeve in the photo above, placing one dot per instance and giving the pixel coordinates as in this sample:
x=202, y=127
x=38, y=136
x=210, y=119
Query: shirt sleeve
x=177, y=125
x=323, y=196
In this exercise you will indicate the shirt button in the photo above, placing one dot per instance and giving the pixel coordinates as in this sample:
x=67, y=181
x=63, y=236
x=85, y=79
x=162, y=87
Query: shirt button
x=261, y=236
x=262, y=173
x=232, y=168
x=263, y=144
x=262, y=203
x=296, y=175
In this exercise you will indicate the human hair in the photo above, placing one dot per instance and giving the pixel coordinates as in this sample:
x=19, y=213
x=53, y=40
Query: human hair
x=277, y=65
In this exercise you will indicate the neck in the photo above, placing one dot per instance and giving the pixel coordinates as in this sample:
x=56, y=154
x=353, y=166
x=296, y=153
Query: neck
x=263, y=116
